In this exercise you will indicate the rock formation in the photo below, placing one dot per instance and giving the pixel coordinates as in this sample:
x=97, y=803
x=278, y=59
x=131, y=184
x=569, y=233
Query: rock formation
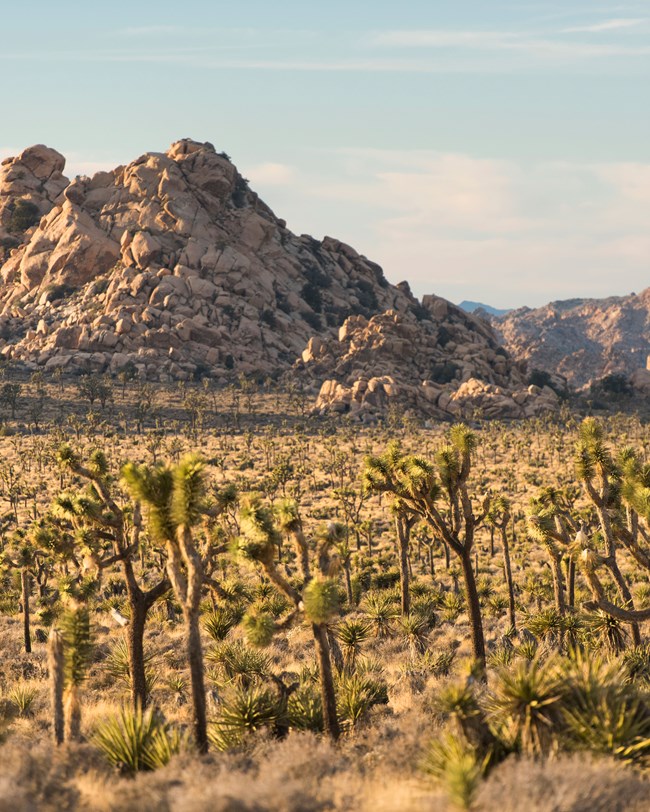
x=172, y=265
x=440, y=361
x=582, y=339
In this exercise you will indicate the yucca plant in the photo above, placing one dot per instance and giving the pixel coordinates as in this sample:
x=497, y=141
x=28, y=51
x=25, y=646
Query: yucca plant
x=415, y=633
x=525, y=705
x=607, y=632
x=459, y=703
x=137, y=740
x=356, y=695
x=352, y=634
x=246, y=710
x=381, y=611
x=240, y=663
x=603, y=711
x=527, y=649
x=220, y=621
x=437, y=663
x=458, y=766
x=305, y=708
x=118, y=665
x=636, y=662
x=259, y=627
x=22, y=696
x=452, y=605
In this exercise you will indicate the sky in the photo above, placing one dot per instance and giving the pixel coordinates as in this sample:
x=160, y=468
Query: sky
x=493, y=151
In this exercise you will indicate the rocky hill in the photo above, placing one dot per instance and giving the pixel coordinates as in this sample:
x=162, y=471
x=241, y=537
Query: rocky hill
x=173, y=265
x=581, y=339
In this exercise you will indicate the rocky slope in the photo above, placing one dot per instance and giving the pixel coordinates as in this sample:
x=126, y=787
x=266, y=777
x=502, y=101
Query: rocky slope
x=582, y=339
x=173, y=265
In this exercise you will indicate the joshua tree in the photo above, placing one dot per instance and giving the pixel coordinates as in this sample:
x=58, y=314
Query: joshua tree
x=619, y=490
x=421, y=487
x=98, y=522
x=551, y=524
x=499, y=517
x=405, y=519
x=176, y=501
x=319, y=595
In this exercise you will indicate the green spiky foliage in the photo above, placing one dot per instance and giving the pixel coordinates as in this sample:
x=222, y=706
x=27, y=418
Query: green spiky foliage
x=603, y=712
x=135, y=740
x=117, y=664
x=606, y=632
x=259, y=627
x=458, y=766
x=245, y=711
x=259, y=535
x=381, y=611
x=220, y=620
x=305, y=708
x=153, y=486
x=636, y=662
x=239, y=662
x=357, y=694
x=525, y=705
x=321, y=599
x=23, y=696
x=352, y=634
x=188, y=491
x=76, y=632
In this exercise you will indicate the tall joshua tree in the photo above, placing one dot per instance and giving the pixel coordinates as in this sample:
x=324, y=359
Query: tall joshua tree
x=619, y=489
x=318, y=597
x=439, y=494
x=110, y=535
x=176, y=501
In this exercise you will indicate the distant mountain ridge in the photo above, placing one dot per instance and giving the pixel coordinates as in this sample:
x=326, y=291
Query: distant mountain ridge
x=473, y=307
x=581, y=339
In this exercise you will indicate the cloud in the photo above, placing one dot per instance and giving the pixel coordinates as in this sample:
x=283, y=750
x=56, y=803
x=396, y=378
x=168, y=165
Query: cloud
x=505, y=232
x=529, y=44
x=607, y=25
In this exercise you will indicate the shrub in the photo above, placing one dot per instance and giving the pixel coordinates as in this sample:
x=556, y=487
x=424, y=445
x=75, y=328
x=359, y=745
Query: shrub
x=136, y=740
x=25, y=214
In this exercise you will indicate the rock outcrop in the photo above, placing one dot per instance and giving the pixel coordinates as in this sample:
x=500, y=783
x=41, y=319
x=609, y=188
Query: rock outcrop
x=441, y=362
x=582, y=339
x=171, y=263
x=174, y=266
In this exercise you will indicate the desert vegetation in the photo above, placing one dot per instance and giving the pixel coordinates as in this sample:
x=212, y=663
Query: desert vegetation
x=212, y=600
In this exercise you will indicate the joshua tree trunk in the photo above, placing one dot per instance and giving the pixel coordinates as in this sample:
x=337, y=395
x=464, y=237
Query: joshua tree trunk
x=403, y=525
x=187, y=586
x=328, y=697
x=72, y=712
x=25, y=584
x=508, y=574
x=474, y=607
x=558, y=583
x=195, y=659
x=135, y=642
x=571, y=582
x=55, y=667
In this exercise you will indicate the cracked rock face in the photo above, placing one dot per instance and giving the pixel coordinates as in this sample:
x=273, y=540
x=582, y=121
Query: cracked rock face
x=174, y=265
x=581, y=339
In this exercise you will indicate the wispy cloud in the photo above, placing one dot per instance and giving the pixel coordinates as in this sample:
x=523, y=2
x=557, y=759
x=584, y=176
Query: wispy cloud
x=508, y=231
x=607, y=25
x=507, y=41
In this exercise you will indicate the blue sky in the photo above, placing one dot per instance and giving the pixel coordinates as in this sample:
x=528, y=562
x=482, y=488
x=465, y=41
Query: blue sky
x=497, y=151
